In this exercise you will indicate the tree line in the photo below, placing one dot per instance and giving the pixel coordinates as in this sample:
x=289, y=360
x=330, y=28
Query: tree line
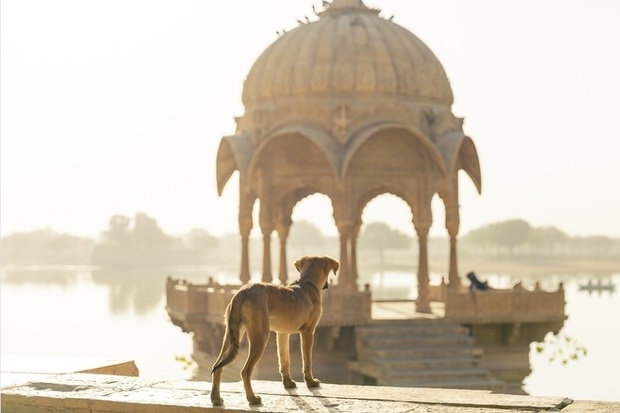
x=139, y=240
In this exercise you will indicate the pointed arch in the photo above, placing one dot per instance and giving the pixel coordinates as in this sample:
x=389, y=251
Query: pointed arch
x=469, y=162
x=233, y=154
x=323, y=141
x=367, y=133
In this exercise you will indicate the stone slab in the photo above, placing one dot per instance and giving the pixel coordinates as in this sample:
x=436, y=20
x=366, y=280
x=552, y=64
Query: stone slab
x=77, y=393
x=591, y=406
x=18, y=369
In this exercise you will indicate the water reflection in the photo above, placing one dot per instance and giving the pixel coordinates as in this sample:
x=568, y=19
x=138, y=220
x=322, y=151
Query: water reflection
x=138, y=291
x=63, y=276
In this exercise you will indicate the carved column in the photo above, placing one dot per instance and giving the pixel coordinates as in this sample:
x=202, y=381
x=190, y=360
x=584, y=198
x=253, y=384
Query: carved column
x=353, y=259
x=452, y=225
x=244, y=275
x=266, y=226
x=245, y=227
x=346, y=279
x=267, y=276
x=423, y=303
x=282, y=228
x=453, y=272
x=422, y=220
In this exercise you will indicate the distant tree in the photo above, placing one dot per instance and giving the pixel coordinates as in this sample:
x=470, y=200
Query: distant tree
x=304, y=235
x=44, y=246
x=200, y=239
x=479, y=236
x=511, y=233
x=381, y=237
x=547, y=240
x=507, y=234
x=593, y=245
x=147, y=234
x=119, y=231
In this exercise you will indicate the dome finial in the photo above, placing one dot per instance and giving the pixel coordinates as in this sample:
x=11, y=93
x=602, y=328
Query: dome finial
x=344, y=6
x=347, y=4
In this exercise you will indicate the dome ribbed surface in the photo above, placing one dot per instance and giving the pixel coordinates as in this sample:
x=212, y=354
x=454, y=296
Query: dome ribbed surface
x=350, y=51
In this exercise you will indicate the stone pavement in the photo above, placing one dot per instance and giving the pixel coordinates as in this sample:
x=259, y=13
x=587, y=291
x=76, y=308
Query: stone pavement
x=95, y=393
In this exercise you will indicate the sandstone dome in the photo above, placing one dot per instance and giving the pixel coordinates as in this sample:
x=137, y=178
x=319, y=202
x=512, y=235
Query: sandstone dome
x=349, y=51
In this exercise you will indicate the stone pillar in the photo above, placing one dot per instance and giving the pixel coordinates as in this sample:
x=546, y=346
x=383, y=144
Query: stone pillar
x=244, y=275
x=452, y=225
x=267, y=276
x=346, y=277
x=283, y=231
x=422, y=221
x=245, y=227
x=453, y=272
x=423, y=303
x=353, y=259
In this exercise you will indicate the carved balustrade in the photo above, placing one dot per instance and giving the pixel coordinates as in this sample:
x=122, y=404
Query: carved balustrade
x=189, y=303
x=515, y=305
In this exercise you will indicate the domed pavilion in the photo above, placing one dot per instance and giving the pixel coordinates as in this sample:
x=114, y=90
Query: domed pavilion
x=351, y=106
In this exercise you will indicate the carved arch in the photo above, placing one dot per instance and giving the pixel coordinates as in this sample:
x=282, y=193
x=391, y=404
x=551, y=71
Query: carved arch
x=469, y=162
x=359, y=139
x=328, y=146
x=233, y=154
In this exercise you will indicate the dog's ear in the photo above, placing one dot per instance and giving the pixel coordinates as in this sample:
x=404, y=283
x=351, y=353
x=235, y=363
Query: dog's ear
x=299, y=264
x=335, y=265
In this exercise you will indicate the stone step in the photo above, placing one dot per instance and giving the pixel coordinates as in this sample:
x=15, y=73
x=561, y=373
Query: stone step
x=415, y=340
x=416, y=353
x=411, y=329
x=430, y=363
x=384, y=372
x=421, y=354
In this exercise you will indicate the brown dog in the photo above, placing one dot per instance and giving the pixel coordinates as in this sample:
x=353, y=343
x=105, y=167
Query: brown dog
x=260, y=308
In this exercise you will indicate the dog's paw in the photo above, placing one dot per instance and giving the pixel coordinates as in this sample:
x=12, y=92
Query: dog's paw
x=289, y=384
x=254, y=400
x=313, y=383
x=217, y=401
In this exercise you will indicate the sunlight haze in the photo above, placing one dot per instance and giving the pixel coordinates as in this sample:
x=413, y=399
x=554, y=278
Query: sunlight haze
x=118, y=107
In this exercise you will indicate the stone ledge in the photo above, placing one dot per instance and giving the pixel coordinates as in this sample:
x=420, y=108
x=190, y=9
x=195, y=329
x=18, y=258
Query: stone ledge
x=95, y=393
x=23, y=369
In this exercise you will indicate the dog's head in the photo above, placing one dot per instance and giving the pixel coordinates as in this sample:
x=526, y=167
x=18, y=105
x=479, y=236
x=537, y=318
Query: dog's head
x=317, y=268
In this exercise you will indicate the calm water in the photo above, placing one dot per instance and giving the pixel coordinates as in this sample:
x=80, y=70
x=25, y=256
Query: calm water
x=78, y=312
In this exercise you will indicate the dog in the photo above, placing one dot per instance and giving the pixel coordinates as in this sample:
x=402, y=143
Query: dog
x=257, y=309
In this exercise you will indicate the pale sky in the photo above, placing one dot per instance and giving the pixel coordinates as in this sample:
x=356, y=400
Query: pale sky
x=117, y=107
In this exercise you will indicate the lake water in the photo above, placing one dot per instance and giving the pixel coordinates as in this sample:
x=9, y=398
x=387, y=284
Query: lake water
x=76, y=311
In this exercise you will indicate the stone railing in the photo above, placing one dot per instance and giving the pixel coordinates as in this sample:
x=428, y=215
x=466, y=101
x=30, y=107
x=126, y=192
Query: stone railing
x=516, y=305
x=187, y=303
x=344, y=307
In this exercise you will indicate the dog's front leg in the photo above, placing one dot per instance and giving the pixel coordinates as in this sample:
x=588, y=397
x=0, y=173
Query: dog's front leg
x=307, y=342
x=284, y=360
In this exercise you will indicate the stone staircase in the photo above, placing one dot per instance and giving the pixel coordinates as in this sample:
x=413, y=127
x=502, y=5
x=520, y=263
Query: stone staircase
x=420, y=353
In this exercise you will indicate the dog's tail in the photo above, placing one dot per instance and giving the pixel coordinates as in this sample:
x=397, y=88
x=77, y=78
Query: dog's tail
x=230, y=344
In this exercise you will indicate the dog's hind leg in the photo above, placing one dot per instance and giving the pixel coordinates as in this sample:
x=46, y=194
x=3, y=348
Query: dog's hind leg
x=307, y=342
x=258, y=342
x=216, y=375
x=284, y=360
x=216, y=399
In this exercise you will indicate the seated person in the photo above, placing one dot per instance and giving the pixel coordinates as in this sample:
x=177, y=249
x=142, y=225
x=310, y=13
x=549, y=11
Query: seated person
x=476, y=284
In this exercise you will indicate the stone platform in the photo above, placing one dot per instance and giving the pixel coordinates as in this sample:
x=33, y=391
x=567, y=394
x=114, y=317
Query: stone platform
x=23, y=369
x=94, y=393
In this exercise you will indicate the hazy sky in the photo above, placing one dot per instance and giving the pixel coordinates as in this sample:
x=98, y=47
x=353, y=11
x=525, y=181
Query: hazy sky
x=117, y=107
